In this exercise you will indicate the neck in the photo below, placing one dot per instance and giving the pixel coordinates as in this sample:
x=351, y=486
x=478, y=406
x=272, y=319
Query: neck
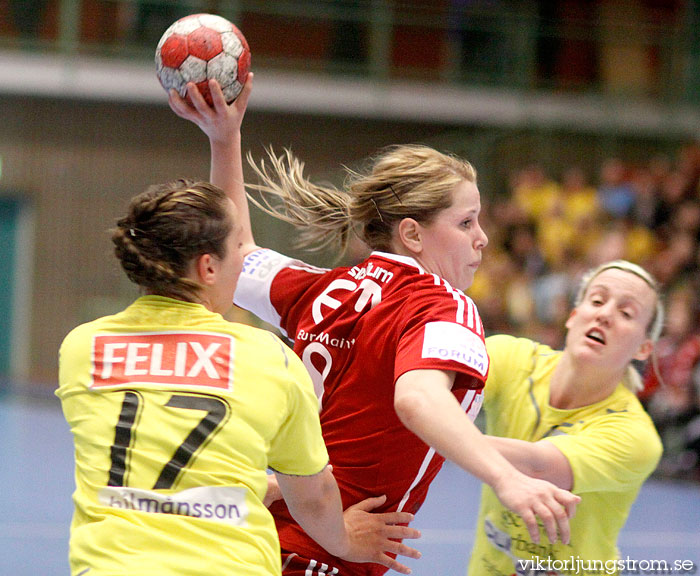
x=575, y=384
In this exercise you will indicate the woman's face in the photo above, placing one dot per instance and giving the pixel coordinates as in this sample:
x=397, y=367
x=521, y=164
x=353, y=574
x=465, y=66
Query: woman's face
x=451, y=244
x=610, y=325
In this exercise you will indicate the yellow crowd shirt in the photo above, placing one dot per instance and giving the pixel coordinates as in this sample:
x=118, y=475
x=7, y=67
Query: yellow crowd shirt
x=612, y=447
x=176, y=414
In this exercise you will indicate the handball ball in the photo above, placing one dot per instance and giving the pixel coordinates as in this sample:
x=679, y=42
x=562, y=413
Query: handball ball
x=199, y=47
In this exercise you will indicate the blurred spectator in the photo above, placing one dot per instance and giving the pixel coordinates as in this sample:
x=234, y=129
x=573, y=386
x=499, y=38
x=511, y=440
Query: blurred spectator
x=687, y=218
x=552, y=296
x=676, y=259
x=689, y=163
x=660, y=166
x=569, y=224
x=615, y=193
x=623, y=238
x=675, y=188
x=490, y=289
x=535, y=192
x=671, y=394
x=579, y=196
x=645, y=183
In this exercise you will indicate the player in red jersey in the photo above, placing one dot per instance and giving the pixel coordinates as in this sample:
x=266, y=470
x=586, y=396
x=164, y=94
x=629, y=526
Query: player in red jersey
x=395, y=349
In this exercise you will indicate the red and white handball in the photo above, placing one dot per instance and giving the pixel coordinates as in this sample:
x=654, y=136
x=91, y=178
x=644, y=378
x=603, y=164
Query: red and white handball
x=199, y=47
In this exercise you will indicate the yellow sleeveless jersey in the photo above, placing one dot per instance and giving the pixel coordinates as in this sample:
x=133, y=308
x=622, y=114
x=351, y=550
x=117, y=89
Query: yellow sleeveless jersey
x=176, y=414
x=612, y=447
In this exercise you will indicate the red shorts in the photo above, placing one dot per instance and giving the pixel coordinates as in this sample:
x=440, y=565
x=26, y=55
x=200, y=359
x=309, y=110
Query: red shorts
x=295, y=565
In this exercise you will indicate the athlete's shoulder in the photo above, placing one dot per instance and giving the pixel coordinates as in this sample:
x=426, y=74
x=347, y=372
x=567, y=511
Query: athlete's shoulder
x=514, y=360
x=432, y=295
x=625, y=401
x=270, y=282
x=623, y=419
x=265, y=348
x=518, y=349
x=86, y=330
x=509, y=345
x=256, y=337
x=263, y=264
x=622, y=413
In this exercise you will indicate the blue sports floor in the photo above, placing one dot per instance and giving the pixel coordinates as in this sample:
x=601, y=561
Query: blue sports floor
x=36, y=481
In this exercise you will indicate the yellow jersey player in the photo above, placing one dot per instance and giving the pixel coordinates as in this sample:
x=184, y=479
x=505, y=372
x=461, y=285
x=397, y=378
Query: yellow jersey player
x=572, y=417
x=176, y=415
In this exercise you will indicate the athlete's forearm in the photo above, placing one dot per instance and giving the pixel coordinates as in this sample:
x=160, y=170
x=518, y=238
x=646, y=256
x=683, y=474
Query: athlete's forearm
x=227, y=173
x=315, y=504
x=537, y=459
x=429, y=409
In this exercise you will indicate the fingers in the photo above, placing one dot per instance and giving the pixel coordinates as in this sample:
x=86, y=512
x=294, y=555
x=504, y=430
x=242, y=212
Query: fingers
x=242, y=98
x=396, y=517
x=569, y=501
x=369, y=503
x=375, y=537
x=198, y=101
x=563, y=509
x=401, y=532
x=554, y=516
x=530, y=521
x=178, y=104
x=550, y=522
x=407, y=551
x=400, y=550
x=217, y=96
x=563, y=528
x=555, y=522
x=393, y=564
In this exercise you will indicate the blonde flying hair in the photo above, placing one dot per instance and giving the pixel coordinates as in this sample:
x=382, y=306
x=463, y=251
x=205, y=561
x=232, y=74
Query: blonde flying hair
x=403, y=181
x=632, y=379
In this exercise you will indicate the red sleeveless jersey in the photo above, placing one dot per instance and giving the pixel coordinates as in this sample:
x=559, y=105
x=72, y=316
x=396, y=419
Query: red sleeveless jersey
x=358, y=329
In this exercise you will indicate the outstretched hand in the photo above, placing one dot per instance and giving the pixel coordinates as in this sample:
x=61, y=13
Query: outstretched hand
x=219, y=121
x=531, y=499
x=374, y=536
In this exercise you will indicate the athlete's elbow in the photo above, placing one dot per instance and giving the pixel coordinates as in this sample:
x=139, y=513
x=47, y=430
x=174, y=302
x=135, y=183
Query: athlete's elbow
x=410, y=407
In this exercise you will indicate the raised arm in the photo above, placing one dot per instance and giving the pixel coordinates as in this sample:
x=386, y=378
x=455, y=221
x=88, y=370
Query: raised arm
x=222, y=125
x=355, y=535
x=425, y=404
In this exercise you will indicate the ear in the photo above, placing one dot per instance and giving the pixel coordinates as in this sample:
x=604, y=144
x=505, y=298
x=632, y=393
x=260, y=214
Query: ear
x=409, y=232
x=570, y=318
x=645, y=350
x=206, y=267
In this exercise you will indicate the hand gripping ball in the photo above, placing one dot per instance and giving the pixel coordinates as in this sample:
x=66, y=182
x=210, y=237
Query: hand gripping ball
x=199, y=47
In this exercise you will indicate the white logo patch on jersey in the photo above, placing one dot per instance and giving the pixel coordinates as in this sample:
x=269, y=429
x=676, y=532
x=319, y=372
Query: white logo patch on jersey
x=171, y=358
x=261, y=265
x=450, y=341
x=219, y=503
